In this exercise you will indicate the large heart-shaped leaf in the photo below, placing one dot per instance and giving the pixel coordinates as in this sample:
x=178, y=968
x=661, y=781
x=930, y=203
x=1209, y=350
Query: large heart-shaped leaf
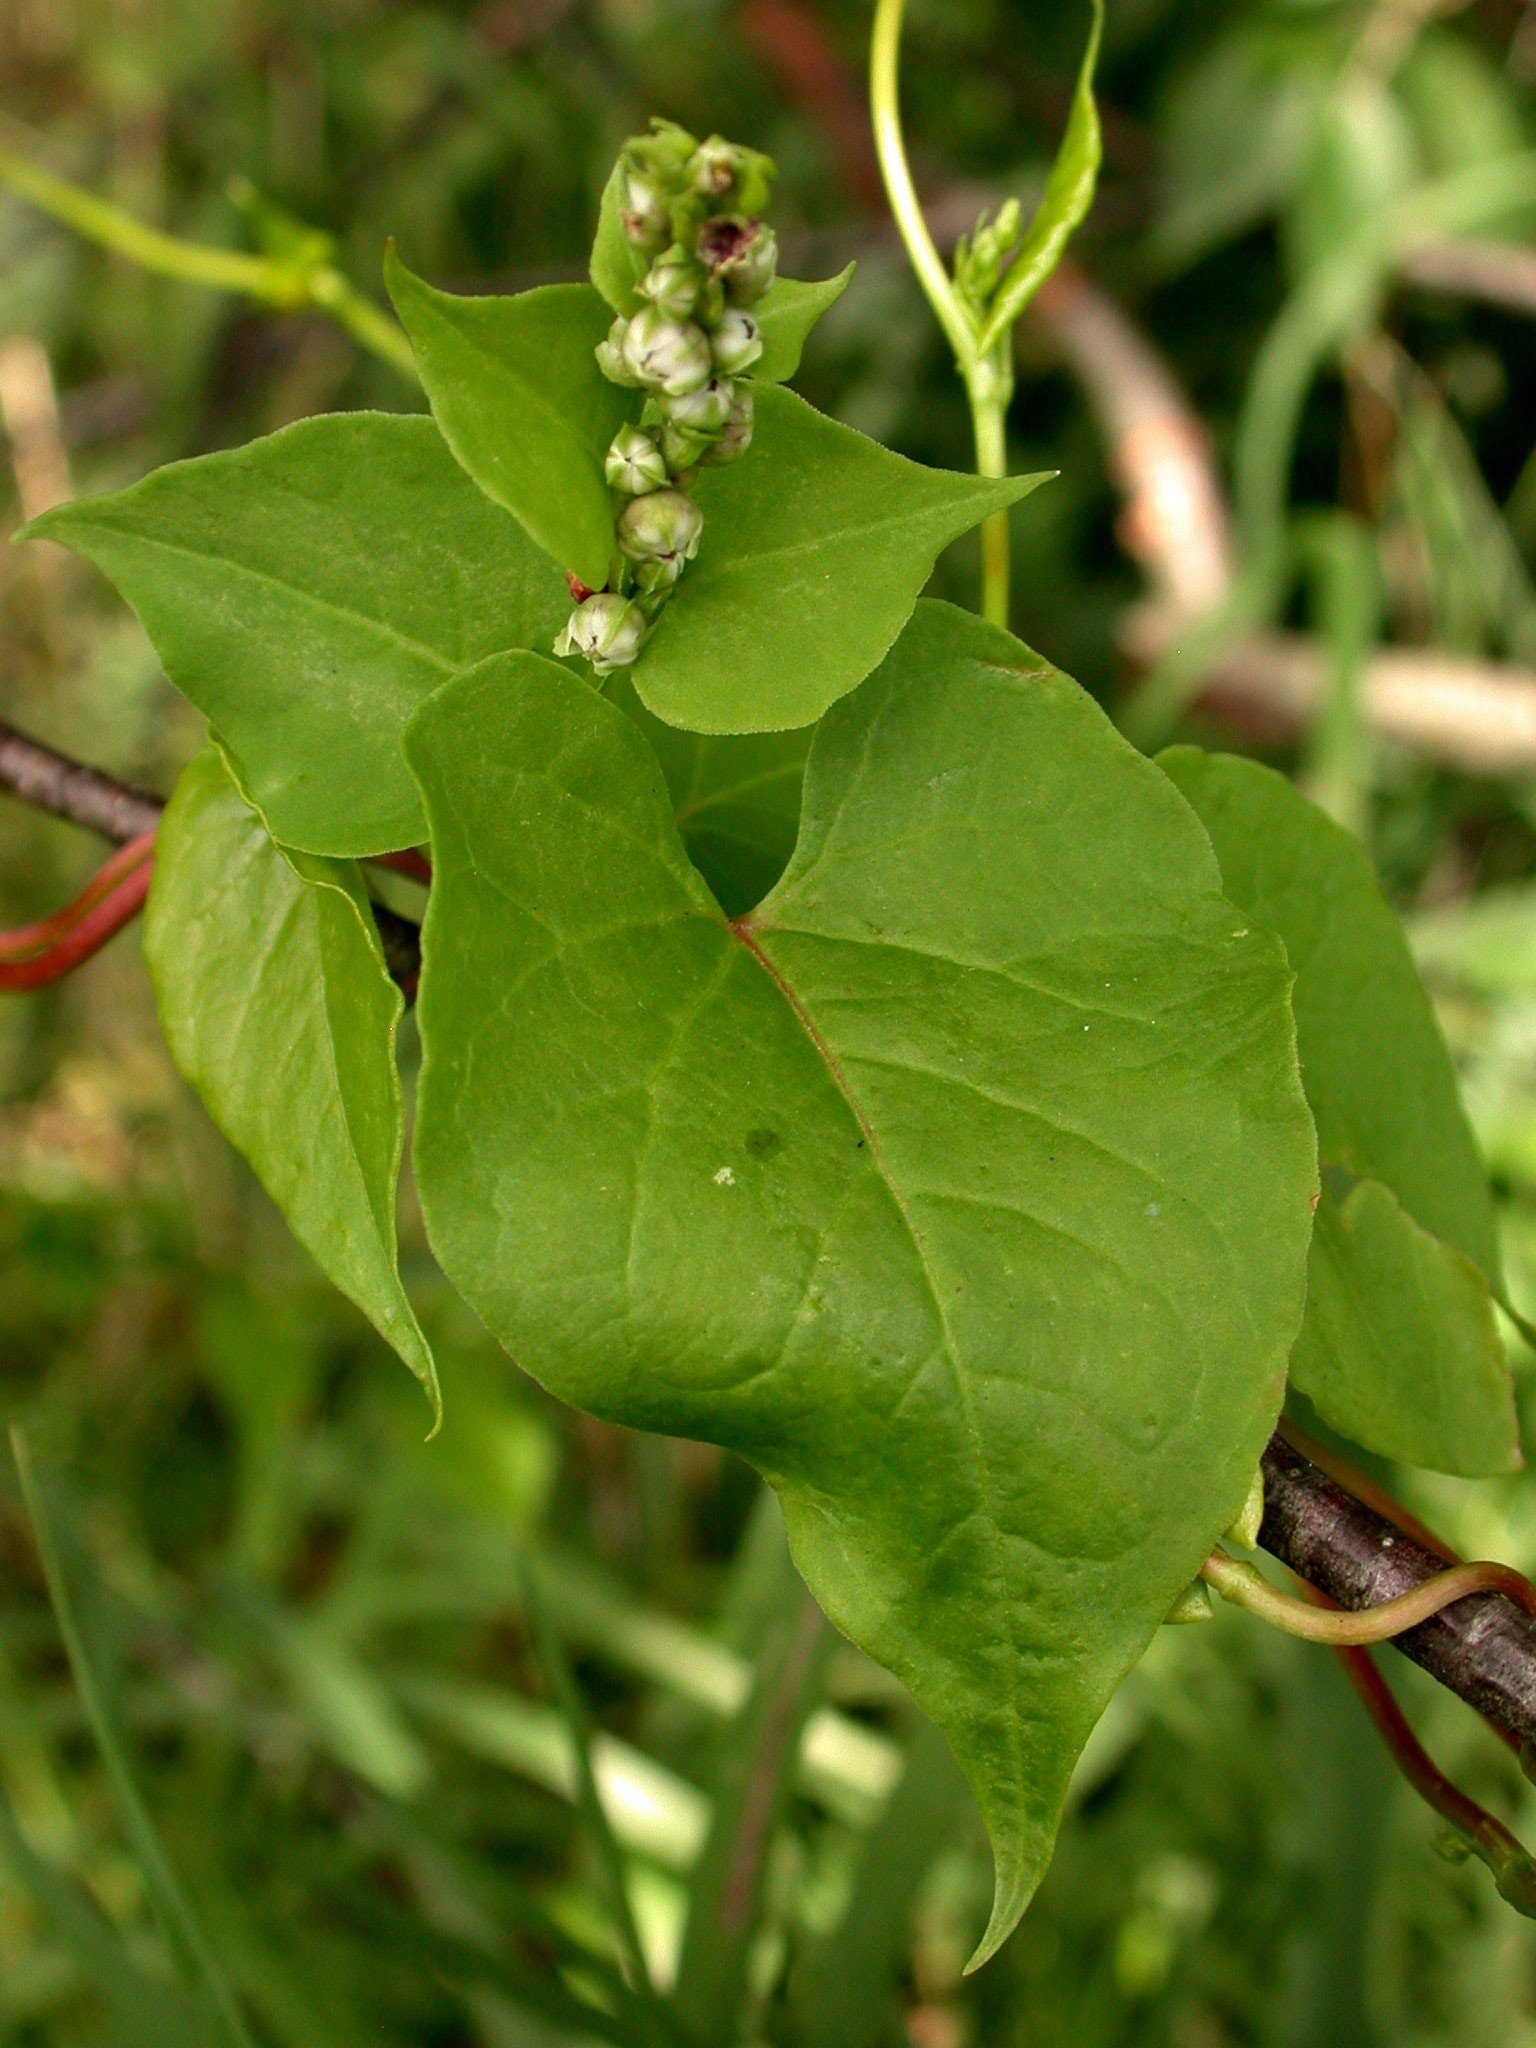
x=965, y=1187
x=1399, y=1352
x=307, y=592
x=277, y=1008
x=515, y=387
x=816, y=545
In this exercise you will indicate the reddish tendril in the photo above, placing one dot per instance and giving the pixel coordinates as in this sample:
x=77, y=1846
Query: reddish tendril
x=83, y=934
x=33, y=955
x=24, y=941
x=1355, y=1482
x=411, y=863
x=1512, y=1867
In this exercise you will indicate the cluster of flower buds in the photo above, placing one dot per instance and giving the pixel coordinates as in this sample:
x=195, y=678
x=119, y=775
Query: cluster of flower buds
x=690, y=214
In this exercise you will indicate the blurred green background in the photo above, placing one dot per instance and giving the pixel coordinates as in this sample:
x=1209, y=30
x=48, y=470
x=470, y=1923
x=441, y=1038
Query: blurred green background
x=308, y=1629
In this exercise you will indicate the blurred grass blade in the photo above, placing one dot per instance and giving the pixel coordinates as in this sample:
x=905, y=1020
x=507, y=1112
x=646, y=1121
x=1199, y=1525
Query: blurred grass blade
x=843, y=1991
x=754, y=1766
x=609, y=1855
x=1341, y=553
x=170, y=1901
x=1063, y=208
x=649, y=1810
x=143, y=2013
x=1336, y=299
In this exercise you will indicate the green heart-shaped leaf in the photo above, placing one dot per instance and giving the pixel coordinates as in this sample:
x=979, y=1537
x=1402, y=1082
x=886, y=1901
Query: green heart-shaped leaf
x=1410, y=1363
x=964, y=1187
x=277, y=1008
x=515, y=387
x=307, y=592
x=816, y=545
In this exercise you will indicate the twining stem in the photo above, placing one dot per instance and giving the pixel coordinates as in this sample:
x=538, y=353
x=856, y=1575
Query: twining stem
x=227, y=270
x=23, y=941
x=1338, y=1628
x=1514, y=1871
x=986, y=374
x=85, y=937
x=264, y=278
x=885, y=109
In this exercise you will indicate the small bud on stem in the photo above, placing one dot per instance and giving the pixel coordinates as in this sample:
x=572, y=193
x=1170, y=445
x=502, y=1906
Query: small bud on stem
x=666, y=355
x=634, y=463
x=607, y=628
x=661, y=525
x=743, y=254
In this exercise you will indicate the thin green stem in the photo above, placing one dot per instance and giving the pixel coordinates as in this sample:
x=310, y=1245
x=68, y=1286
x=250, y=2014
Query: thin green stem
x=1340, y=1629
x=226, y=270
x=986, y=373
x=885, y=109
x=264, y=278
x=369, y=325
x=989, y=387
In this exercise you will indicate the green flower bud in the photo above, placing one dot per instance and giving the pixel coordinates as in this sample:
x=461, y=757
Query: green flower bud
x=646, y=215
x=673, y=284
x=704, y=411
x=736, y=343
x=608, y=629
x=684, y=447
x=656, y=579
x=668, y=355
x=735, y=437
x=743, y=254
x=634, y=463
x=655, y=168
x=665, y=153
x=610, y=356
x=661, y=524
x=729, y=176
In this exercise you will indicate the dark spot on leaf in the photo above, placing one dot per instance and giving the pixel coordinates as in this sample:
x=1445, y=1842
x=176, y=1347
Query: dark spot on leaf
x=763, y=1144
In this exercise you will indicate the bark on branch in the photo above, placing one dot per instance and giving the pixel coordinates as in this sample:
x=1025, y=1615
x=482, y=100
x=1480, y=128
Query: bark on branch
x=65, y=789
x=1482, y=1648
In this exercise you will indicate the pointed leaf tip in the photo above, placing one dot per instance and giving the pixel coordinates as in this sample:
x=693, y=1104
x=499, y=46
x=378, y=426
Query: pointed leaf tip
x=814, y=550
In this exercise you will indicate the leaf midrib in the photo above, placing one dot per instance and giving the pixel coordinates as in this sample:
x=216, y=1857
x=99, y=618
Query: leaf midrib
x=742, y=931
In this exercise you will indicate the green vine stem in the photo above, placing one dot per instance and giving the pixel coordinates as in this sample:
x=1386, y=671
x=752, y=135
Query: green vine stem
x=996, y=273
x=1339, y=1629
x=988, y=376
x=271, y=280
